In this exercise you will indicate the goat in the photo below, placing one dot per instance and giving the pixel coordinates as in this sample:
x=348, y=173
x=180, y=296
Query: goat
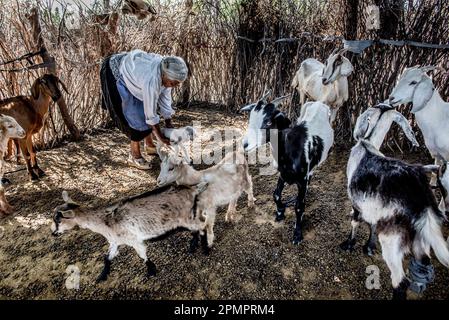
x=9, y=128
x=297, y=150
x=30, y=113
x=396, y=198
x=327, y=83
x=431, y=112
x=373, y=125
x=139, y=8
x=226, y=181
x=178, y=137
x=151, y=215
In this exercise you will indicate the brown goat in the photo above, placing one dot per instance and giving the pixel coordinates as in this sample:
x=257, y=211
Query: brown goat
x=29, y=112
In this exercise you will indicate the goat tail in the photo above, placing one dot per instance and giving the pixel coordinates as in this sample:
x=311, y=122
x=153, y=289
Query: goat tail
x=430, y=235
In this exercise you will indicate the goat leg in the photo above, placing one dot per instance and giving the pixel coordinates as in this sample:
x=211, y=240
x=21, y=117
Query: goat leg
x=151, y=268
x=204, y=244
x=194, y=243
x=299, y=211
x=277, y=195
x=33, y=158
x=26, y=155
x=106, y=270
x=349, y=244
x=400, y=292
x=370, y=246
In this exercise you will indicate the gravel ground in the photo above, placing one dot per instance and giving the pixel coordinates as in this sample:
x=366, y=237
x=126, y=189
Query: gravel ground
x=252, y=258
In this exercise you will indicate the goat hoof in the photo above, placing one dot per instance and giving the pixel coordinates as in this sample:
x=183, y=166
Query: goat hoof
x=206, y=251
x=369, y=250
x=34, y=177
x=297, y=240
x=101, y=278
x=347, y=245
x=40, y=172
x=151, y=269
x=279, y=217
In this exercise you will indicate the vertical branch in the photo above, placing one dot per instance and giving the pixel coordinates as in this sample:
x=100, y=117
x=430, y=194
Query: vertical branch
x=36, y=31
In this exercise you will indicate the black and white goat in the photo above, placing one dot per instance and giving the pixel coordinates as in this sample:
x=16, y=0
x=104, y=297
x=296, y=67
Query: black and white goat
x=297, y=150
x=397, y=199
x=373, y=125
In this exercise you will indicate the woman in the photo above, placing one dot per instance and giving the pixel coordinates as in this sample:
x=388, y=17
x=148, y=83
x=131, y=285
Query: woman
x=135, y=86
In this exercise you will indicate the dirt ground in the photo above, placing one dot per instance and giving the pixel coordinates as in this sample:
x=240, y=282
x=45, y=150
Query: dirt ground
x=253, y=258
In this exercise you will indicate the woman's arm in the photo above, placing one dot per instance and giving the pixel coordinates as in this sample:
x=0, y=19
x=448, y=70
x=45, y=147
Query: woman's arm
x=150, y=100
x=165, y=103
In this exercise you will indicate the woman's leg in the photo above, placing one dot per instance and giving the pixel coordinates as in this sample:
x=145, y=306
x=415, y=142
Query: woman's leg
x=135, y=149
x=149, y=141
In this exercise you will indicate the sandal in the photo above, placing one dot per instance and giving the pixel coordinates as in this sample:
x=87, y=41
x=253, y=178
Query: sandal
x=140, y=163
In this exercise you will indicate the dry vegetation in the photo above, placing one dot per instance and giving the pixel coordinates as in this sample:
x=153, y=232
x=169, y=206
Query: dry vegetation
x=235, y=48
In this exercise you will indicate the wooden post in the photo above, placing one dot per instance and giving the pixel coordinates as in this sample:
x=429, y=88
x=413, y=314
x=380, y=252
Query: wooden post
x=36, y=30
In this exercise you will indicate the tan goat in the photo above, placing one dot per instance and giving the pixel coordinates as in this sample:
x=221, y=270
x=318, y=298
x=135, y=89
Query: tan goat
x=30, y=112
x=226, y=182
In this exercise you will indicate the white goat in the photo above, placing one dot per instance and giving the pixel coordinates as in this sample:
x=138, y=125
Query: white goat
x=226, y=182
x=9, y=129
x=179, y=137
x=324, y=82
x=431, y=112
x=151, y=215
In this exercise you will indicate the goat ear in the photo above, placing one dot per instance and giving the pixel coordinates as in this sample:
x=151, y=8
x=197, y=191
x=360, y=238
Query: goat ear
x=68, y=214
x=162, y=154
x=423, y=93
x=346, y=67
x=67, y=199
x=35, y=89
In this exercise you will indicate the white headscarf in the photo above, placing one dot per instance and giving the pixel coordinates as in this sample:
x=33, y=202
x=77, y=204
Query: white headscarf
x=174, y=68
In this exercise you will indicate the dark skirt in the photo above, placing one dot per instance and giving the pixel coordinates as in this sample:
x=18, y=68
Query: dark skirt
x=112, y=101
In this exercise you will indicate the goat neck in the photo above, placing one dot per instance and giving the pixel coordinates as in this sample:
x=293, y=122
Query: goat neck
x=42, y=104
x=189, y=176
x=90, y=220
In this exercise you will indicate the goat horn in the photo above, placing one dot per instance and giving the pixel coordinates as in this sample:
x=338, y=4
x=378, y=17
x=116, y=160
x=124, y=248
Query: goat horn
x=248, y=107
x=334, y=51
x=265, y=95
x=342, y=50
x=278, y=100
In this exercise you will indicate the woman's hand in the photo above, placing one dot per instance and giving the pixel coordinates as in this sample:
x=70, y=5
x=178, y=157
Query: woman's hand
x=157, y=132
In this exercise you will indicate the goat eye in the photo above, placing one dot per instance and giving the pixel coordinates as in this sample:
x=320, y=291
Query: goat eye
x=413, y=83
